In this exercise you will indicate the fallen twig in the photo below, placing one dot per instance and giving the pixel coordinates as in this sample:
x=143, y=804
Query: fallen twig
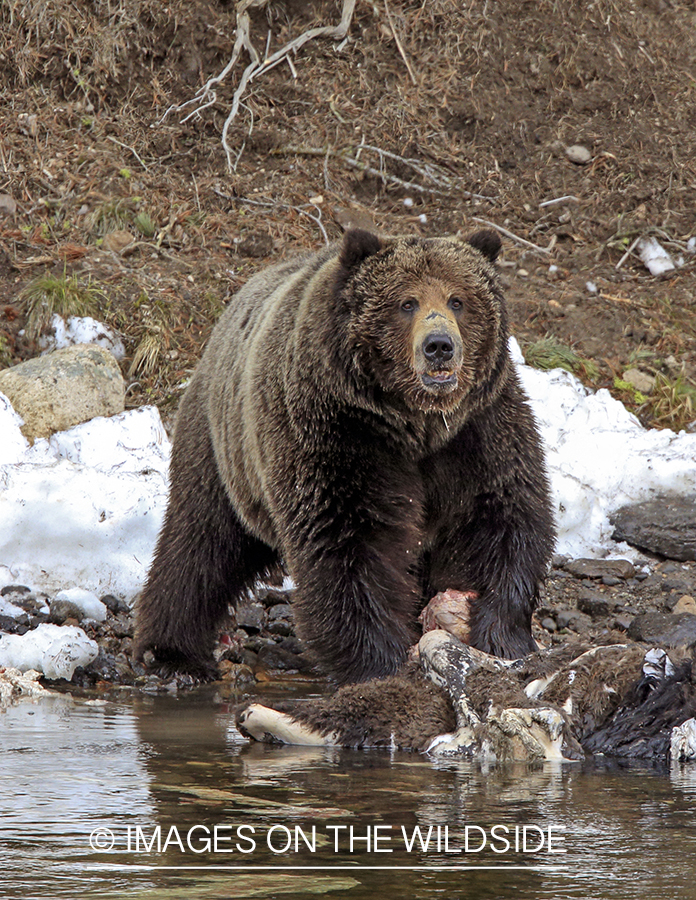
x=398, y=43
x=274, y=204
x=444, y=183
x=127, y=147
x=628, y=252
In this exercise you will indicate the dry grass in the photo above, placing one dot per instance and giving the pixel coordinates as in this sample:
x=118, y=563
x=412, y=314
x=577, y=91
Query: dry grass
x=63, y=295
x=672, y=403
x=85, y=44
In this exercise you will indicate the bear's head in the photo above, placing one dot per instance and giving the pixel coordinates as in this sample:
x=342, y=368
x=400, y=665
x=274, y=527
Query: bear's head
x=425, y=318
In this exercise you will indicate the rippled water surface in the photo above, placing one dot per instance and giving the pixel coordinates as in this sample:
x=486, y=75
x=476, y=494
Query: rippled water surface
x=127, y=798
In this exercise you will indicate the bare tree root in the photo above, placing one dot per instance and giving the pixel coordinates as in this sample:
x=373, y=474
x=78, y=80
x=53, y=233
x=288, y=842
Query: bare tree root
x=207, y=95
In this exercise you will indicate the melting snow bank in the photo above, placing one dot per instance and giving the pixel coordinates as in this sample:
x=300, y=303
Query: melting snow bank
x=54, y=650
x=84, y=508
x=600, y=458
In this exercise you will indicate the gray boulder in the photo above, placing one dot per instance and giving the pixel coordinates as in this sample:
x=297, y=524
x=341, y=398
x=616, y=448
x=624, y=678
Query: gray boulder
x=666, y=526
x=64, y=388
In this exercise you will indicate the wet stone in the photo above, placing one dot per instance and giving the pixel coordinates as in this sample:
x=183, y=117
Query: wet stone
x=14, y=589
x=293, y=645
x=685, y=604
x=122, y=626
x=251, y=618
x=280, y=611
x=62, y=610
x=115, y=605
x=594, y=605
x=236, y=672
x=8, y=624
x=666, y=526
x=664, y=629
x=249, y=658
x=275, y=657
x=272, y=596
x=600, y=568
x=574, y=620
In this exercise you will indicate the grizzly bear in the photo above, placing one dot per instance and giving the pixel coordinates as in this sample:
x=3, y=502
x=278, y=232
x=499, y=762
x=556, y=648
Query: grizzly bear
x=356, y=417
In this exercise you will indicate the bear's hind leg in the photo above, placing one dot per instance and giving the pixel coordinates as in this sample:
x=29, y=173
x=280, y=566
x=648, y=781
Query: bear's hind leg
x=205, y=558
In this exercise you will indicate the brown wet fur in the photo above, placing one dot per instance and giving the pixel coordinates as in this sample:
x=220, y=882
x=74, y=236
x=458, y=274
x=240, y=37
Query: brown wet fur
x=405, y=711
x=308, y=436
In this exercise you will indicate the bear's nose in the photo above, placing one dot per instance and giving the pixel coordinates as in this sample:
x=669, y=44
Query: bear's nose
x=438, y=348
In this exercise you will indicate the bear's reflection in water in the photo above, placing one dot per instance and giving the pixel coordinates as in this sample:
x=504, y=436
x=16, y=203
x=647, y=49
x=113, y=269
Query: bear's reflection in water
x=624, y=700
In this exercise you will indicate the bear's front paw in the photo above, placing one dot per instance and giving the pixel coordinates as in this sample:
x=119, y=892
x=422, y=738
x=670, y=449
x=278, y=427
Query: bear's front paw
x=174, y=664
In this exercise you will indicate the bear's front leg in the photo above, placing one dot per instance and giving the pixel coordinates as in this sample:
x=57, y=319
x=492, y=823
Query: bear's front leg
x=492, y=523
x=352, y=543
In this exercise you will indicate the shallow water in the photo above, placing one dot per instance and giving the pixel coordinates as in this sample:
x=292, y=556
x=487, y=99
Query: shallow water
x=162, y=772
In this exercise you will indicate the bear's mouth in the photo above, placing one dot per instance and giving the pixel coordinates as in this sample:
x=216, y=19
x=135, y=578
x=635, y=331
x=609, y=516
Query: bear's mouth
x=439, y=380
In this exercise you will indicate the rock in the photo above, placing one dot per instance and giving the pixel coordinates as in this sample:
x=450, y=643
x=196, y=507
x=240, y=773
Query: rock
x=270, y=596
x=599, y=568
x=122, y=626
x=622, y=623
x=62, y=610
x=19, y=589
x=666, y=526
x=54, y=392
x=8, y=207
x=578, y=154
x=355, y=218
x=275, y=657
x=256, y=245
x=236, y=672
x=685, y=604
x=280, y=611
x=664, y=629
x=87, y=603
x=251, y=618
x=115, y=605
x=594, y=605
x=548, y=624
x=574, y=620
x=9, y=624
x=641, y=381
x=118, y=241
x=292, y=645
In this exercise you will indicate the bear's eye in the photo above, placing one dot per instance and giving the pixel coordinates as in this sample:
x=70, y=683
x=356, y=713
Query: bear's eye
x=409, y=305
x=455, y=303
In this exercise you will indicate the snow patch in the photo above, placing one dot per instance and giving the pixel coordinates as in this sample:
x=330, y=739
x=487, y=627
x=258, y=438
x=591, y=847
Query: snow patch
x=81, y=330
x=55, y=650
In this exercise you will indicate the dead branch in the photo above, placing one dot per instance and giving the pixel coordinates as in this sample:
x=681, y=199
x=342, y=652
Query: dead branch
x=207, y=96
x=399, y=44
x=443, y=184
x=278, y=204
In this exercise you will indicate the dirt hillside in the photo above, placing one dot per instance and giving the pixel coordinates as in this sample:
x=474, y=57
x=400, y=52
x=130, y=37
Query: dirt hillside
x=571, y=126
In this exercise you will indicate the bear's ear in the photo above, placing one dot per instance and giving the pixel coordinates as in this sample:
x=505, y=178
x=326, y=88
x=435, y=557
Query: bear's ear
x=357, y=246
x=487, y=242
